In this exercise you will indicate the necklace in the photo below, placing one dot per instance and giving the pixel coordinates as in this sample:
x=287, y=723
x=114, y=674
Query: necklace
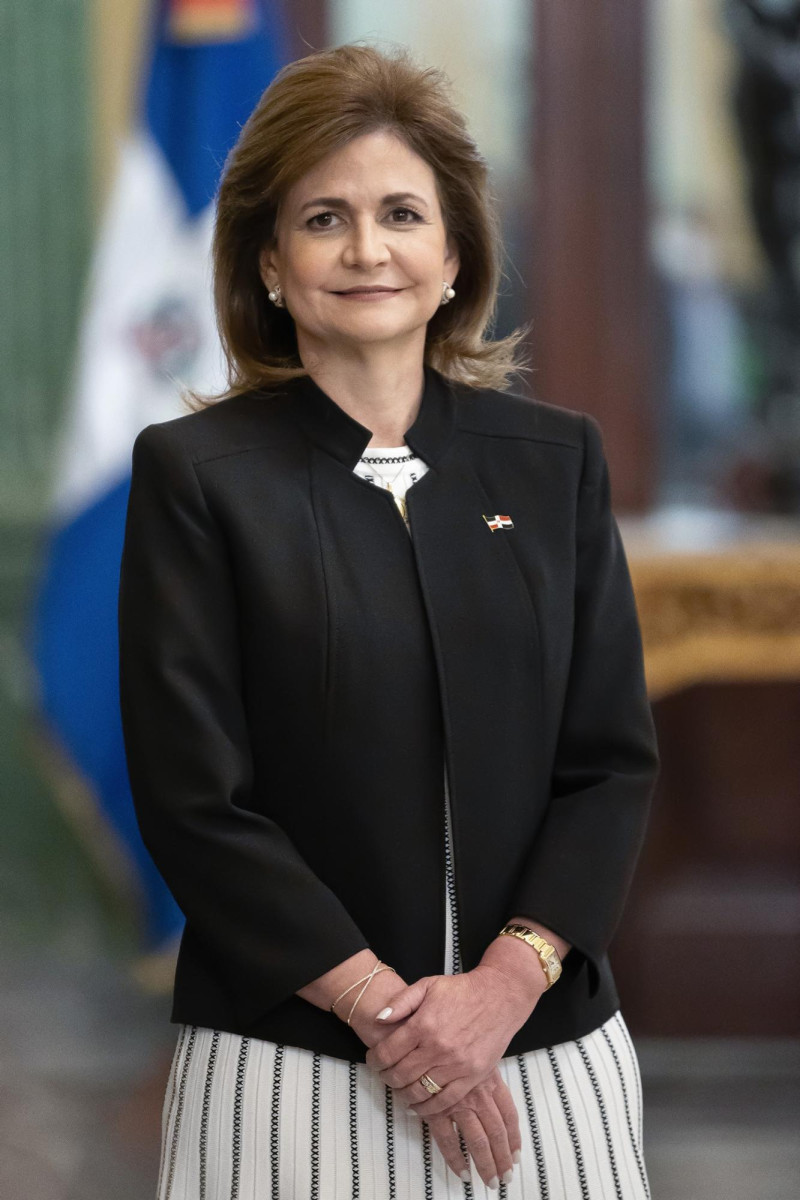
x=385, y=459
x=387, y=483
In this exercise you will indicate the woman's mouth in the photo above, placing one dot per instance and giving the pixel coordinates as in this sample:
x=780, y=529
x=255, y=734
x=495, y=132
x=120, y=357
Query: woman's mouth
x=368, y=293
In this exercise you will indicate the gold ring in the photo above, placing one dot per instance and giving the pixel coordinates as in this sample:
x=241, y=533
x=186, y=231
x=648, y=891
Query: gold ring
x=429, y=1084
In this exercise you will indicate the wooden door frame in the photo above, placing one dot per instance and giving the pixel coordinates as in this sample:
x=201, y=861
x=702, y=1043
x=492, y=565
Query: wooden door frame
x=593, y=294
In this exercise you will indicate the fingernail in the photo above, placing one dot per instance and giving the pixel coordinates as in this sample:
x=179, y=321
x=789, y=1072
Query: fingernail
x=509, y=1175
x=516, y=1156
x=383, y=1014
x=493, y=1183
x=465, y=1176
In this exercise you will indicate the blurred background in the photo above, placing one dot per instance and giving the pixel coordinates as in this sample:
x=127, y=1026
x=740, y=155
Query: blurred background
x=646, y=156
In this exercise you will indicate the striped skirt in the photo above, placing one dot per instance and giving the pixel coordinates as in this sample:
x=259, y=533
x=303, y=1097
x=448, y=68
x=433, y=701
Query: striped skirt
x=246, y=1119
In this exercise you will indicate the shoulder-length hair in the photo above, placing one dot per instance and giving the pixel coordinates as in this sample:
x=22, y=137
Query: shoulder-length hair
x=317, y=105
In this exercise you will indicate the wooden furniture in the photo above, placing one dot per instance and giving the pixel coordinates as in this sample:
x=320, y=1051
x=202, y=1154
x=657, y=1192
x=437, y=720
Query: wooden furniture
x=710, y=941
x=718, y=597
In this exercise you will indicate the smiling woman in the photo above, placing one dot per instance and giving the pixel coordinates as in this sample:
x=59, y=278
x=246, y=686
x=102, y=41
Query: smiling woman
x=383, y=693
x=351, y=156
x=375, y=271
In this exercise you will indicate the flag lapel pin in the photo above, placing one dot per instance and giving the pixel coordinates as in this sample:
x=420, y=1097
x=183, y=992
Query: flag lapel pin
x=498, y=522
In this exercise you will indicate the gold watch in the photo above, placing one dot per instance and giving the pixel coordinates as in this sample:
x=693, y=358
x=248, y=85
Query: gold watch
x=548, y=955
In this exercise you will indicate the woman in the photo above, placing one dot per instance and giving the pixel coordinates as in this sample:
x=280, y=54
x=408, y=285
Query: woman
x=382, y=692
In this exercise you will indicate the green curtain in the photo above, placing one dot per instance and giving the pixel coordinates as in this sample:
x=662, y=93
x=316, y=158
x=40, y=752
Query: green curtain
x=45, y=237
x=50, y=894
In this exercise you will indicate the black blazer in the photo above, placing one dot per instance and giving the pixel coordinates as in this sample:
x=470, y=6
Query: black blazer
x=294, y=668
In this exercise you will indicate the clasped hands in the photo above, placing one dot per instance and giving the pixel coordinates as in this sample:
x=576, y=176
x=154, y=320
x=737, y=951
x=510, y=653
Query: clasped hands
x=456, y=1028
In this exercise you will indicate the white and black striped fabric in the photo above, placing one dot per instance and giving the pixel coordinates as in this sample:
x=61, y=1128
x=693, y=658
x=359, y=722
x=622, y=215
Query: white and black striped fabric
x=247, y=1119
x=251, y=1120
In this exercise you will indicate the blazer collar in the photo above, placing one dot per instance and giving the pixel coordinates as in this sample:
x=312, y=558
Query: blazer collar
x=334, y=430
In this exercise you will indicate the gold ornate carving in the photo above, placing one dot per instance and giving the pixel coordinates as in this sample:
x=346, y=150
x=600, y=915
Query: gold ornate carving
x=714, y=616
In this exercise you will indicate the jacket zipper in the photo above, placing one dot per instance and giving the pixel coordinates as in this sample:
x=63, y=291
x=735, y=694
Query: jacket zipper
x=453, y=965
x=455, y=954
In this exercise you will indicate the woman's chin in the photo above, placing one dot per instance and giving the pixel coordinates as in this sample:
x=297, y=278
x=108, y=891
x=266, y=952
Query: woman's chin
x=370, y=331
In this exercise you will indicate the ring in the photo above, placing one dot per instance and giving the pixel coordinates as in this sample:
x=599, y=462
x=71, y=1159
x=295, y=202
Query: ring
x=429, y=1084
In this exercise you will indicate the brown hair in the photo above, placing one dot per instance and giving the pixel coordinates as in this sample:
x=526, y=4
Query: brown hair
x=314, y=106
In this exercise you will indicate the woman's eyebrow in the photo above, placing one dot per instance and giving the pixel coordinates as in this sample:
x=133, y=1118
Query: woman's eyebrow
x=340, y=202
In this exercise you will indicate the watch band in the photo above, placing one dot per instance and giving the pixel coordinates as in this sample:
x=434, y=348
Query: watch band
x=548, y=955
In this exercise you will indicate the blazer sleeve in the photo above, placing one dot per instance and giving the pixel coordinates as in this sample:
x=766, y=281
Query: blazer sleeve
x=268, y=924
x=580, y=866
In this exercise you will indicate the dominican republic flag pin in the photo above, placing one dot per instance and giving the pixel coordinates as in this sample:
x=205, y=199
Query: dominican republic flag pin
x=498, y=522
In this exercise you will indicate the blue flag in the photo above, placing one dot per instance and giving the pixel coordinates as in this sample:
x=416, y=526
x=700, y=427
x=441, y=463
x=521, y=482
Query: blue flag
x=148, y=327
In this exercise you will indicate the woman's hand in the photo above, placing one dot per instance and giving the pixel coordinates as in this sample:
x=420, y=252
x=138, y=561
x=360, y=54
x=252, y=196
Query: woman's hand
x=455, y=1028
x=487, y=1118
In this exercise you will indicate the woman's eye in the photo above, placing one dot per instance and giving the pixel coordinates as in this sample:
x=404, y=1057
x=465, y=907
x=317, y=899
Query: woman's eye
x=412, y=212
x=323, y=220
x=318, y=217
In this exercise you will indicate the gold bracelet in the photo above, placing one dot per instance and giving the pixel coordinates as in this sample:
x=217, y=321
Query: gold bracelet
x=375, y=971
x=548, y=955
x=344, y=993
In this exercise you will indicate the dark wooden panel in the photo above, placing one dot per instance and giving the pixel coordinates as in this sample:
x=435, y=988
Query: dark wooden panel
x=593, y=292
x=710, y=940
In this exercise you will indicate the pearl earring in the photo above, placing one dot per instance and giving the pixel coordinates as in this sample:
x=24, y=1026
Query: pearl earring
x=276, y=297
x=447, y=293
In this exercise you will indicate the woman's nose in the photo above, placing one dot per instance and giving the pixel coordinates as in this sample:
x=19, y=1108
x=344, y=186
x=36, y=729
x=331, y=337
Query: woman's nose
x=366, y=245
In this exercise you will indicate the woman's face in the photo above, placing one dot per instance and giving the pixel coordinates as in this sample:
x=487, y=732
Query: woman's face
x=366, y=216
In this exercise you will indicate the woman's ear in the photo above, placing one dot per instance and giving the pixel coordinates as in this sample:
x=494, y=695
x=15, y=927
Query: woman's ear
x=266, y=267
x=452, y=259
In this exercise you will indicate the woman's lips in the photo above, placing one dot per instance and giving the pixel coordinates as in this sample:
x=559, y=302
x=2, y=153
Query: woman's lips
x=381, y=294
